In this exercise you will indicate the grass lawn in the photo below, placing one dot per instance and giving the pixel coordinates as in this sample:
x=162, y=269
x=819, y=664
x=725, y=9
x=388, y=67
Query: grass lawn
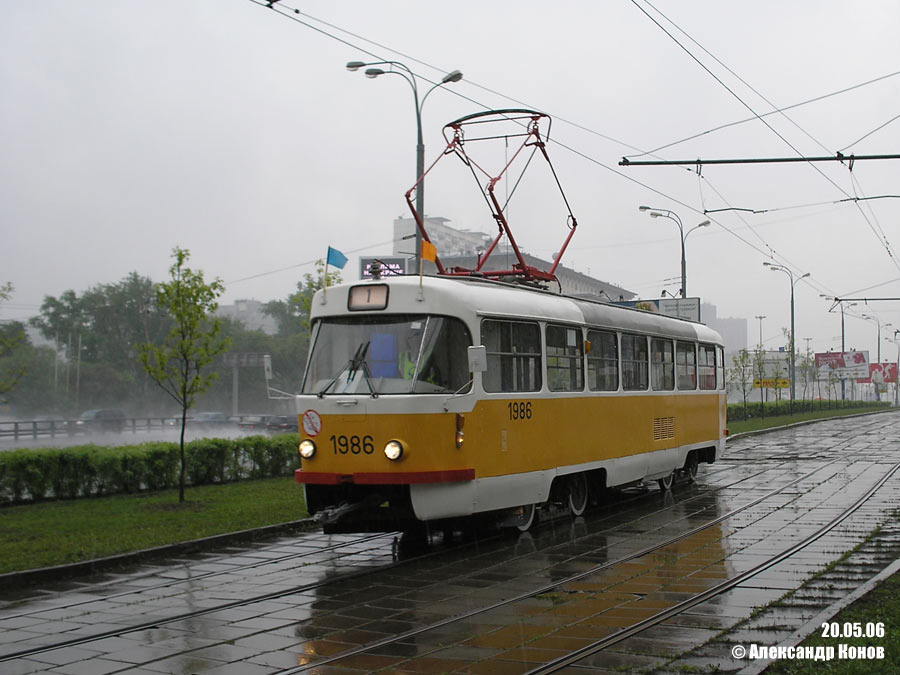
x=53, y=533
x=755, y=424
x=882, y=605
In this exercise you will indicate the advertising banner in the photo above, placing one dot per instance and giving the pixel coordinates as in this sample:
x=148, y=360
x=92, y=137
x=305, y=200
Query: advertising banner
x=682, y=308
x=386, y=266
x=843, y=365
x=881, y=373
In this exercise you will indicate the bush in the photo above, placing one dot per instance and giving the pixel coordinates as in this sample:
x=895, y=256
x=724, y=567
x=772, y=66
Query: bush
x=738, y=412
x=91, y=470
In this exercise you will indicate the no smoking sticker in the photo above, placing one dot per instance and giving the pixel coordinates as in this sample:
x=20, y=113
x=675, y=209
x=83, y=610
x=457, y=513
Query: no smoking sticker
x=312, y=423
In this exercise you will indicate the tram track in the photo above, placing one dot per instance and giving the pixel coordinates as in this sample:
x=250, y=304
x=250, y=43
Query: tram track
x=181, y=616
x=531, y=593
x=715, y=591
x=83, y=640
x=201, y=576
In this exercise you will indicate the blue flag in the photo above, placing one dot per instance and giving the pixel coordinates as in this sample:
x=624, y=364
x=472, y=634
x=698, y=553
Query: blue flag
x=336, y=258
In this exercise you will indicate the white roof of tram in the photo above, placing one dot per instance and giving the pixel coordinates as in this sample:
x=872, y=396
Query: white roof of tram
x=470, y=297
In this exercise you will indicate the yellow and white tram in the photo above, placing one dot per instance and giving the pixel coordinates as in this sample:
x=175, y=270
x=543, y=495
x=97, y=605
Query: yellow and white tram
x=446, y=397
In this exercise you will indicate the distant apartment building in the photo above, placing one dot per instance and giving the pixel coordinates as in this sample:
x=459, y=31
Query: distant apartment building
x=460, y=248
x=733, y=331
x=249, y=313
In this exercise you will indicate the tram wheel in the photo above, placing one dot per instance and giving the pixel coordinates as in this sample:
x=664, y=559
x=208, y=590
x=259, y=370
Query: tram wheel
x=691, y=466
x=577, y=489
x=527, y=516
x=665, y=484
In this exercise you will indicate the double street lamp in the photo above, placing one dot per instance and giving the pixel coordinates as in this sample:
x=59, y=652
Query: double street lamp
x=782, y=268
x=397, y=68
x=671, y=215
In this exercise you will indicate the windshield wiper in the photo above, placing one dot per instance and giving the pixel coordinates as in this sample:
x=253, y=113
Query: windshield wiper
x=353, y=366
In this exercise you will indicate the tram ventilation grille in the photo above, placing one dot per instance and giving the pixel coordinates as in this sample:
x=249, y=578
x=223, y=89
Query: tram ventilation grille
x=663, y=428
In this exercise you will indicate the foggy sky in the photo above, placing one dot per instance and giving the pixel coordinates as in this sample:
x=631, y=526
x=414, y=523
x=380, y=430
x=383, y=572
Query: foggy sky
x=221, y=126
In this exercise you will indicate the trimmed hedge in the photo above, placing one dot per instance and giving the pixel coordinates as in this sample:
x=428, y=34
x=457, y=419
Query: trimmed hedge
x=741, y=412
x=93, y=470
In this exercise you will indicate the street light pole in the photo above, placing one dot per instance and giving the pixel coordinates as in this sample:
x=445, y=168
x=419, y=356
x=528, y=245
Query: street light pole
x=411, y=78
x=782, y=268
x=671, y=215
x=843, y=347
x=877, y=348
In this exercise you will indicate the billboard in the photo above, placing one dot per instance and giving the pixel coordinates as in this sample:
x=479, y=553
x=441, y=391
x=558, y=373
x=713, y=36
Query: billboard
x=881, y=373
x=843, y=365
x=682, y=308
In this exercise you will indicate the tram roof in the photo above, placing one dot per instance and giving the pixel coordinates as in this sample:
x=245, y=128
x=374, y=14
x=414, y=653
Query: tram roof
x=486, y=297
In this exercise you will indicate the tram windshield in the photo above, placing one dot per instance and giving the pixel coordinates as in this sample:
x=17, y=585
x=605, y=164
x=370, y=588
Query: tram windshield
x=388, y=354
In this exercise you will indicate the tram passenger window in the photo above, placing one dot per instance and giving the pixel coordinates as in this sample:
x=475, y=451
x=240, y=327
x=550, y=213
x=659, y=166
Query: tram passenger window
x=720, y=366
x=686, y=365
x=634, y=362
x=565, y=359
x=662, y=360
x=513, y=355
x=707, y=367
x=603, y=361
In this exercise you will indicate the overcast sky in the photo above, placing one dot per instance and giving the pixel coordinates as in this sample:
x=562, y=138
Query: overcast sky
x=224, y=127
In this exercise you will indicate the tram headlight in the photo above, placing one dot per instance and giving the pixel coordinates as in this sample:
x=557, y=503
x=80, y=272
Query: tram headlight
x=393, y=450
x=307, y=448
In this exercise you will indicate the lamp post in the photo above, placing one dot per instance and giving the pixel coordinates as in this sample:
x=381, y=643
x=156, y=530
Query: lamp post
x=671, y=215
x=397, y=68
x=843, y=348
x=782, y=268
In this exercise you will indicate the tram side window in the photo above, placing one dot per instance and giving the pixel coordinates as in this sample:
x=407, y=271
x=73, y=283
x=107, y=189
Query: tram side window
x=707, y=367
x=720, y=366
x=513, y=355
x=662, y=359
x=603, y=361
x=634, y=362
x=565, y=359
x=686, y=365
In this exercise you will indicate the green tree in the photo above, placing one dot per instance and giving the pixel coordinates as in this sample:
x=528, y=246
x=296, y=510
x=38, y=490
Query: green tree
x=109, y=322
x=290, y=346
x=807, y=368
x=12, y=337
x=192, y=344
x=742, y=374
x=292, y=315
x=777, y=372
x=759, y=370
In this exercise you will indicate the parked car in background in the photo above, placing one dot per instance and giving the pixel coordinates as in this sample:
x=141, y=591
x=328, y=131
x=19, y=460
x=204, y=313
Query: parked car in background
x=282, y=424
x=208, y=421
x=253, y=422
x=101, y=420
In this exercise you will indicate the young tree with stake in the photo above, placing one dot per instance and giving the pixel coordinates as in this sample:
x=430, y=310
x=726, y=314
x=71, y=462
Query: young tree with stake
x=192, y=343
